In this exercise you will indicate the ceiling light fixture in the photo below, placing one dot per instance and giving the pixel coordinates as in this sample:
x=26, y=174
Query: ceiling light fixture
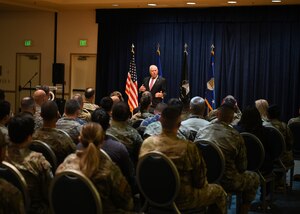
x=152, y=5
x=276, y=1
x=191, y=3
x=115, y=5
x=231, y=2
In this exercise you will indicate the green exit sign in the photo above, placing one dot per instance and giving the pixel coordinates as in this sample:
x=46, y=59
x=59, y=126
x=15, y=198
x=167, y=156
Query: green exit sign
x=27, y=43
x=83, y=42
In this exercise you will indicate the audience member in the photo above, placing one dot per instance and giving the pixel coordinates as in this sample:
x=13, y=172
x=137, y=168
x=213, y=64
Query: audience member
x=88, y=104
x=196, y=119
x=84, y=115
x=144, y=94
x=106, y=103
x=11, y=199
x=69, y=122
x=28, y=106
x=212, y=116
x=157, y=112
x=235, y=178
x=143, y=112
x=116, y=150
x=39, y=97
x=112, y=185
x=33, y=166
x=61, y=144
x=295, y=119
x=4, y=118
x=116, y=96
x=121, y=129
x=262, y=106
x=155, y=128
x=195, y=192
x=251, y=122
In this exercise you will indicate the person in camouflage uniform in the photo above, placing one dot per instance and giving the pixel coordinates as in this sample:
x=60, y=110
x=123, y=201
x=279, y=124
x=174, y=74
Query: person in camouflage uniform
x=295, y=119
x=68, y=122
x=33, y=166
x=155, y=128
x=212, y=116
x=59, y=141
x=143, y=112
x=106, y=176
x=11, y=199
x=88, y=104
x=4, y=118
x=126, y=134
x=85, y=115
x=287, y=157
x=39, y=97
x=235, y=178
x=195, y=192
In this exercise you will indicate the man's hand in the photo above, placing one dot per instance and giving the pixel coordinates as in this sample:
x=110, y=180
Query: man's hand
x=159, y=94
x=142, y=88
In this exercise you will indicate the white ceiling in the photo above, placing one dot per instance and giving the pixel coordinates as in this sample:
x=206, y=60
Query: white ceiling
x=59, y=5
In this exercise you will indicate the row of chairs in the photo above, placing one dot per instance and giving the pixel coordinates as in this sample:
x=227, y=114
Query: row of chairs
x=159, y=189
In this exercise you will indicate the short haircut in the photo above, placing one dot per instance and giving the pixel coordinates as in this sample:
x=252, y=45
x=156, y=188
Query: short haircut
x=89, y=93
x=120, y=111
x=106, y=103
x=27, y=103
x=49, y=110
x=101, y=117
x=71, y=107
x=160, y=107
x=118, y=94
x=79, y=98
x=176, y=103
x=4, y=108
x=145, y=103
x=197, y=105
x=20, y=127
x=170, y=117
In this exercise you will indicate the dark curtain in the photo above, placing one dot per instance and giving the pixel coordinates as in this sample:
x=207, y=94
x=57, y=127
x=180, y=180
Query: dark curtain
x=257, y=51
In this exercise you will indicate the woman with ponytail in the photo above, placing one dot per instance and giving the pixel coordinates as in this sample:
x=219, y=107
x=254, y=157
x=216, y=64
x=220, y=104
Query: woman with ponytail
x=107, y=177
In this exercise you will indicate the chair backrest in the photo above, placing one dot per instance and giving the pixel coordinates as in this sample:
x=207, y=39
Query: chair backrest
x=105, y=154
x=73, y=192
x=11, y=174
x=295, y=129
x=255, y=151
x=214, y=159
x=276, y=140
x=158, y=179
x=65, y=133
x=45, y=149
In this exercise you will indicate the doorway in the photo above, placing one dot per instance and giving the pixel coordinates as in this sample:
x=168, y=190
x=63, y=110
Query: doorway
x=28, y=75
x=83, y=73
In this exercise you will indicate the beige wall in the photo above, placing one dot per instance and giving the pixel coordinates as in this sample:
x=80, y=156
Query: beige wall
x=39, y=27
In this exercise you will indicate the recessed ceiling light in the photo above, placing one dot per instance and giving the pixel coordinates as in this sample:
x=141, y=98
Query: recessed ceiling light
x=276, y=1
x=152, y=5
x=231, y=2
x=191, y=3
x=115, y=5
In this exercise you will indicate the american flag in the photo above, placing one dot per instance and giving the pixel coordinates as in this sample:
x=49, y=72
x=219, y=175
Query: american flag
x=131, y=84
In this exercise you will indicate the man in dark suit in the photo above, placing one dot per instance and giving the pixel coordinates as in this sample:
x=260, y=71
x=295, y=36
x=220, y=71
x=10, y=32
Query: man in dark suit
x=155, y=84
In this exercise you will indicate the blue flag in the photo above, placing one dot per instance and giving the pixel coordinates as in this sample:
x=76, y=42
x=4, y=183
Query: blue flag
x=158, y=61
x=210, y=84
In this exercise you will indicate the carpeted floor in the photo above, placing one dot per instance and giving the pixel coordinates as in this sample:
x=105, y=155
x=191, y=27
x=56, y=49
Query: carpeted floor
x=282, y=204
